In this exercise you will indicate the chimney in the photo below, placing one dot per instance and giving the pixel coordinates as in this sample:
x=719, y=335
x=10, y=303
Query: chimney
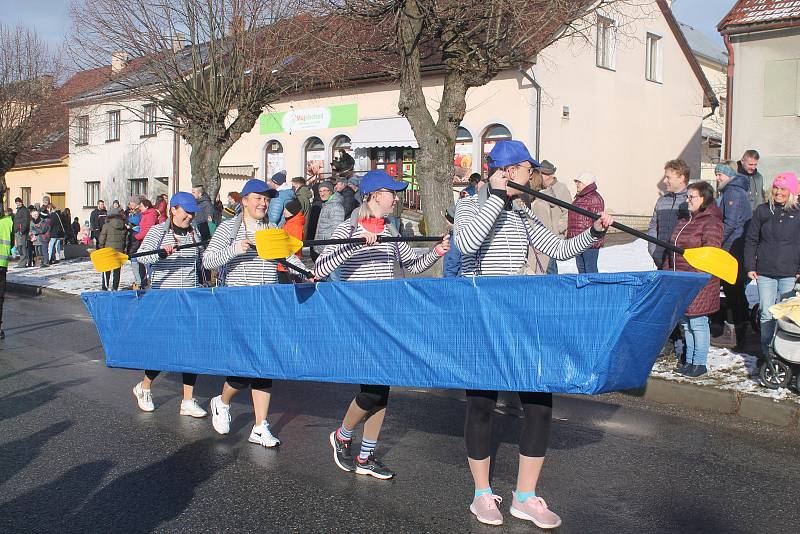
x=178, y=41
x=118, y=60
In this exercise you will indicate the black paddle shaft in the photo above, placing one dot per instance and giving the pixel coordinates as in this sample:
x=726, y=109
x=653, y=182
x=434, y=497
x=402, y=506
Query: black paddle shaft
x=361, y=240
x=160, y=250
x=595, y=216
x=300, y=270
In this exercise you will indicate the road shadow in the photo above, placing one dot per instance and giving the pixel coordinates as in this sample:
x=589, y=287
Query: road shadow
x=30, y=398
x=18, y=454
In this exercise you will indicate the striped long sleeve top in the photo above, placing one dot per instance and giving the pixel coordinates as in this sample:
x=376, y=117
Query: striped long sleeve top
x=242, y=268
x=179, y=269
x=376, y=262
x=494, y=241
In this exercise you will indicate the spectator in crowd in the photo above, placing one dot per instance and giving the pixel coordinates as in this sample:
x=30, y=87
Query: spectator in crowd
x=371, y=261
x=348, y=196
x=161, y=207
x=589, y=199
x=353, y=183
x=331, y=215
x=115, y=204
x=114, y=235
x=452, y=260
x=173, y=269
x=76, y=228
x=40, y=236
x=205, y=211
x=343, y=164
x=134, y=217
x=7, y=232
x=552, y=216
x=670, y=207
x=232, y=250
x=149, y=217
x=472, y=187
x=294, y=225
x=734, y=202
x=285, y=194
x=748, y=167
x=58, y=232
x=234, y=206
x=772, y=249
x=22, y=228
x=96, y=220
x=66, y=222
x=703, y=228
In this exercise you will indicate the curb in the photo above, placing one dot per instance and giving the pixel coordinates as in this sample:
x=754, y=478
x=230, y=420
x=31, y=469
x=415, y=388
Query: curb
x=35, y=291
x=754, y=407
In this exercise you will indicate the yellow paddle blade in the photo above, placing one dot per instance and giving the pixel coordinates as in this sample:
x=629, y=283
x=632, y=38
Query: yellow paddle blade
x=107, y=259
x=275, y=244
x=714, y=261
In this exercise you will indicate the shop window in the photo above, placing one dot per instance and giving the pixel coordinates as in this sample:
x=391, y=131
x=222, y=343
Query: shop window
x=274, y=158
x=462, y=160
x=314, y=157
x=493, y=134
x=138, y=186
x=92, y=194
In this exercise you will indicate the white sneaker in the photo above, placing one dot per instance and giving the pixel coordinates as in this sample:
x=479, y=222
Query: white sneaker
x=192, y=409
x=144, y=398
x=262, y=436
x=220, y=415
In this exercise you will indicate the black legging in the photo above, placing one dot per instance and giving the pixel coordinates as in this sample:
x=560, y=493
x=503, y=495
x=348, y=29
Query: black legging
x=240, y=382
x=372, y=398
x=538, y=409
x=189, y=379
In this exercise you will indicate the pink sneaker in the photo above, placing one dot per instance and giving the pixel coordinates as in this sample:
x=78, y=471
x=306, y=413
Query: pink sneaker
x=485, y=509
x=534, y=509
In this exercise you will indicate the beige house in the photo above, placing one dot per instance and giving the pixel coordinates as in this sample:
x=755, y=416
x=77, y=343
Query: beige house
x=763, y=104
x=619, y=106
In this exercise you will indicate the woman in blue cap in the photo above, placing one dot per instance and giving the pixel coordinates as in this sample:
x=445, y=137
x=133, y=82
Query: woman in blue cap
x=173, y=269
x=370, y=261
x=494, y=229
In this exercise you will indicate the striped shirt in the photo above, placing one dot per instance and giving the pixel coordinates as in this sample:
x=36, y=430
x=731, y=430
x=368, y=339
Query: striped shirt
x=242, y=268
x=495, y=242
x=179, y=269
x=376, y=262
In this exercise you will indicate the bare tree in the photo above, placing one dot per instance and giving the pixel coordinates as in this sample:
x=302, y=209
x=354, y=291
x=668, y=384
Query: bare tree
x=210, y=66
x=27, y=72
x=469, y=42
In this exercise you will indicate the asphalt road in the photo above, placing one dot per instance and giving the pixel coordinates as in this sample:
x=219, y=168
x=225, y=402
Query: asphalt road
x=77, y=456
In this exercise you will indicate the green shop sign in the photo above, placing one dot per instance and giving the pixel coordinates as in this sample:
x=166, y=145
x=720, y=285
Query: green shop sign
x=309, y=119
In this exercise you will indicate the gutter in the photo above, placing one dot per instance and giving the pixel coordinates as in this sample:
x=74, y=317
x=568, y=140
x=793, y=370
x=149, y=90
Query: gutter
x=538, y=89
x=729, y=95
x=754, y=28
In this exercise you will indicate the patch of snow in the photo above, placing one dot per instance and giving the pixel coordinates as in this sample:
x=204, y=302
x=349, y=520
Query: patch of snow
x=70, y=276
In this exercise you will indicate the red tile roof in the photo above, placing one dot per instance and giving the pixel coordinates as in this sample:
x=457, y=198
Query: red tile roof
x=749, y=12
x=53, y=142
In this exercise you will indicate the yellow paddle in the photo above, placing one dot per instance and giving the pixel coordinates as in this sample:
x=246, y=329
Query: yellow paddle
x=107, y=259
x=275, y=243
x=711, y=260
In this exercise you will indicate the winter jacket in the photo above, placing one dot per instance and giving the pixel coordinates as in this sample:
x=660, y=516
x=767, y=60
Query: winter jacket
x=305, y=198
x=114, y=234
x=162, y=212
x=702, y=229
x=669, y=208
x=205, y=209
x=40, y=231
x=772, y=243
x=348, y=201
x=57, y=230
x=590, y=200
x=330, y=216
x=149, y=218
x=736, y=213
x=96, y=220
x=452, y=260
x=294, y=227
x=22, y=220
x=756, y=193
x=276, y=205
x=553, y=217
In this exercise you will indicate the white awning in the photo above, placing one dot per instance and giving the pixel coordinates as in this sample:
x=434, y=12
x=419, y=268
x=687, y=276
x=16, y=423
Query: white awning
x=379, y=133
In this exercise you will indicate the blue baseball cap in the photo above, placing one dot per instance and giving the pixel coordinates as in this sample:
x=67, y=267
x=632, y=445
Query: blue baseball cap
x=374, y=180
x=185, y=201
x=507, y=153
x=258, y=186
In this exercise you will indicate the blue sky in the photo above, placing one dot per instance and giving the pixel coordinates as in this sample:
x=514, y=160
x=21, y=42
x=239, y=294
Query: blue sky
x=50, y=18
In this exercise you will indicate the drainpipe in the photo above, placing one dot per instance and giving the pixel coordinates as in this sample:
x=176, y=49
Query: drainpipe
x=538, y=89
x=729, y=95
x=176, y=161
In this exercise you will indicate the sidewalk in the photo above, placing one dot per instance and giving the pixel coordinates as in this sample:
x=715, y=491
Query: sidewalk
x=731, y=386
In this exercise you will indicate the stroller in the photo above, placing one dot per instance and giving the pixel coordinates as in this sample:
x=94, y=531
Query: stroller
x=782, y=360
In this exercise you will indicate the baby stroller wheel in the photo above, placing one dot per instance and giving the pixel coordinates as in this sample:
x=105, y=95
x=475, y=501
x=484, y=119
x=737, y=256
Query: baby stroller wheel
x=778, y=377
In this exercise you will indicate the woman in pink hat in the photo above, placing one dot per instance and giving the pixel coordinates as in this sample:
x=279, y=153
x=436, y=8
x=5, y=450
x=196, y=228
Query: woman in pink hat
x=772, y=249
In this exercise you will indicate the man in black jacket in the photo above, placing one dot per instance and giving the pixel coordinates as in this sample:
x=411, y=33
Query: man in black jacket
x=348, y=196
x=96, y=221
x=22, y=227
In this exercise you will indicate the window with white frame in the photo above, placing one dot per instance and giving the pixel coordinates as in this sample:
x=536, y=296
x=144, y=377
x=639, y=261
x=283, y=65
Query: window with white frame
x=653, y=65
x=92, y=194
x=82, y=130
x=25, y=194
x=113, y=125
x=149, y=116
x=606, y=42
x=138, y=187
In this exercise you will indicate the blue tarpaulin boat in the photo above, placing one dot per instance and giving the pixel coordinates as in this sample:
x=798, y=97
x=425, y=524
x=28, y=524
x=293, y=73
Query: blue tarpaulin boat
x=568, y=333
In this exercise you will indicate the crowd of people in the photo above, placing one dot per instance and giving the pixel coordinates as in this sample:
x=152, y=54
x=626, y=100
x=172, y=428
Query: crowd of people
x=40, y=232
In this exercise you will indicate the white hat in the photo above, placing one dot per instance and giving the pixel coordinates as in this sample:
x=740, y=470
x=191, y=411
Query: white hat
x=586, y=178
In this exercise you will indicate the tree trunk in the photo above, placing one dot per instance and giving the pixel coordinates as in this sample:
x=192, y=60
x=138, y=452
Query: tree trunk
x=7, y=161
x=205, y=157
